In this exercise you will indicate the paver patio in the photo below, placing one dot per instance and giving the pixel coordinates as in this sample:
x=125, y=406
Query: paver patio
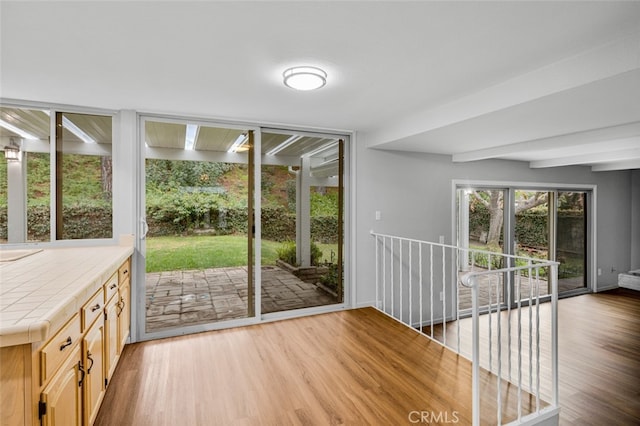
x=181, y=298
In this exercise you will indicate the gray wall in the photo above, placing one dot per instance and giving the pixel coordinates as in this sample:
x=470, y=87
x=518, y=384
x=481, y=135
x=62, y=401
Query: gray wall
x=414, y=194
x=635, y=219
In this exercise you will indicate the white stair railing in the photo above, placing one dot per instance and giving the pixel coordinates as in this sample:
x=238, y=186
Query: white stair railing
x=428, y=286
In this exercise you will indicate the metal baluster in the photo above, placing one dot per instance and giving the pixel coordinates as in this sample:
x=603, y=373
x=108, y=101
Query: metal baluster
x=520, y=344
x=392, y=279
x=420, y=288
x=384, y=274
x=401, y=265
x=499, y=347
x=444, y=299
x=377, y=275
x=431, y=283
x=490, y=285
x=410, y=293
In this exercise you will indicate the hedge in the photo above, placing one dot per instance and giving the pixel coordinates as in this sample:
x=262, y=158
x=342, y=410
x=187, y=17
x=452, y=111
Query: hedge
x=531, y=227
x=278, y=224
x=79, y=221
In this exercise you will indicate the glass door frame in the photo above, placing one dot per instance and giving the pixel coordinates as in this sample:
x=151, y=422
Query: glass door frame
x=139, y=298
x=510, y=188
x=254, y=252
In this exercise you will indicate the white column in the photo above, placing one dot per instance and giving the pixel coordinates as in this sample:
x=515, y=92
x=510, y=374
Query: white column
x=124, y=159
x=128, y=169
x=463, y=227
x=17, y=200
x=303, y=212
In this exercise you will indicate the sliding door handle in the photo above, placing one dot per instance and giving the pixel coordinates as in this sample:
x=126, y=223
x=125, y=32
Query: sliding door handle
x=145, y=228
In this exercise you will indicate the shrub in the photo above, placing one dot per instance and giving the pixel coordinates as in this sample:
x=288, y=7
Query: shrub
x=330, y=279
x=287, y=253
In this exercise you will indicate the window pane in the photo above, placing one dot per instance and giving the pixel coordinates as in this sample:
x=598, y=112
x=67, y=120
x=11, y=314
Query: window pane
x=25, y=183
x=83, y=176
x=38, y=196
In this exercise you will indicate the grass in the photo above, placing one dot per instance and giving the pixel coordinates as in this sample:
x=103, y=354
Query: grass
x=201, y=252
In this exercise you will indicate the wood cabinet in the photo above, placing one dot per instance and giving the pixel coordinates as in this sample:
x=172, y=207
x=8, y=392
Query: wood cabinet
x=111, y=341
x=124, y=314
x=94, y=381
x=103, y=323
x=61, y=400
x=62, y=381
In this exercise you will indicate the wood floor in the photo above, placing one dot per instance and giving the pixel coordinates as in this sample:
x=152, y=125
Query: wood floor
x=598, y=356
x=356, y=367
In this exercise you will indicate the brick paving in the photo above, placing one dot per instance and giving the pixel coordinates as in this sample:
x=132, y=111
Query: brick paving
x=496, y=282
x=182, y=298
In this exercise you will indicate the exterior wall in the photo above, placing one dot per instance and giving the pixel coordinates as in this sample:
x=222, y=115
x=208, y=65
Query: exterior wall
x=414, y=195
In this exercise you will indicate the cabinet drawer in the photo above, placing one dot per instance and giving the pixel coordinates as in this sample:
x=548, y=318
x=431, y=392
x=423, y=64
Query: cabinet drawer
x=110, y=288
x=124, y=271
x=92, y=309
x=53, y=354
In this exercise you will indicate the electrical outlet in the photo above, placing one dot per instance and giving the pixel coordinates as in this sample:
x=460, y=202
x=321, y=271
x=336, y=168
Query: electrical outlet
x=378, y=215
x=441, y=239
x=599, y=271
x=441, y=296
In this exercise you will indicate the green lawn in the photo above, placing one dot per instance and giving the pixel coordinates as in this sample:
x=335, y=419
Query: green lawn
x=201, y=252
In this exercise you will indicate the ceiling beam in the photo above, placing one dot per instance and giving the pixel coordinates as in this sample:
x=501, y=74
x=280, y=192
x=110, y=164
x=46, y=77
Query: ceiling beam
x=590, y=158
x=620, y=165
x=594, y=136
x=594, y=65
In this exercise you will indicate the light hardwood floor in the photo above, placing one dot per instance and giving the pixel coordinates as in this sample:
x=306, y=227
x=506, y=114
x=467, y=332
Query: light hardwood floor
x=361, y=367
x=356, y=367
x=598, y=356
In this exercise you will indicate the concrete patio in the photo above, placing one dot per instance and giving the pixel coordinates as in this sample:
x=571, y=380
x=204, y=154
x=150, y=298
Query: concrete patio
x=182, y=298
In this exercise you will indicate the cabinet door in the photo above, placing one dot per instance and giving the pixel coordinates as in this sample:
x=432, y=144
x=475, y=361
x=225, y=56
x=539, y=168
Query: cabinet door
x=63, y=395
x=124, y=316
x=111, y=341
x=94, y=365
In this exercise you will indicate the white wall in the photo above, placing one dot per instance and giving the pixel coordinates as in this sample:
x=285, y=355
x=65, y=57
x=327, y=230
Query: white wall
x=413, y=192
x=635, y=219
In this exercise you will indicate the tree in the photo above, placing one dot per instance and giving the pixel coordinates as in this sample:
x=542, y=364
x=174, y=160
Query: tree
x=493, y=201
x=106, y=168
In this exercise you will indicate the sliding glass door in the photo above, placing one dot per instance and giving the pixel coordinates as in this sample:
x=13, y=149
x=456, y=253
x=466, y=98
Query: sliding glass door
x=481, y=224
x=227, y=243
x=540, y=223
x=198, y=244
x=302, y=220
x=571, y=240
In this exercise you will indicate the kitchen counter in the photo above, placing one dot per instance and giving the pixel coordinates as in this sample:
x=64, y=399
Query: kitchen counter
x=40, y=292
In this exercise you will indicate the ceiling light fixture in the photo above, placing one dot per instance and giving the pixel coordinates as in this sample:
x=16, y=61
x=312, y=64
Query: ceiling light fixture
x=304, y=78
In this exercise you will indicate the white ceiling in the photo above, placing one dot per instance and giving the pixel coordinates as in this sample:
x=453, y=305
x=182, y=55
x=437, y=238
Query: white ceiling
x=532, y=81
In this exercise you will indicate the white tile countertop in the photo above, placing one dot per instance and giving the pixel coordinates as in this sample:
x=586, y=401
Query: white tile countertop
x=41, y=291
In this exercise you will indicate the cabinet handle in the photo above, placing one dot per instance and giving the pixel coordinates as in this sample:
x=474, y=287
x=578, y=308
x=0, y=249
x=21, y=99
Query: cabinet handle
x=112, y=286
x=81, y=369
x=120, y=305
x=90, y=365
x=66, y=343
x=95, y=308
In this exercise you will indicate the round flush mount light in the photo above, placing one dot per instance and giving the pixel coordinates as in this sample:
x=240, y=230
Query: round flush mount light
x=304, y=78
